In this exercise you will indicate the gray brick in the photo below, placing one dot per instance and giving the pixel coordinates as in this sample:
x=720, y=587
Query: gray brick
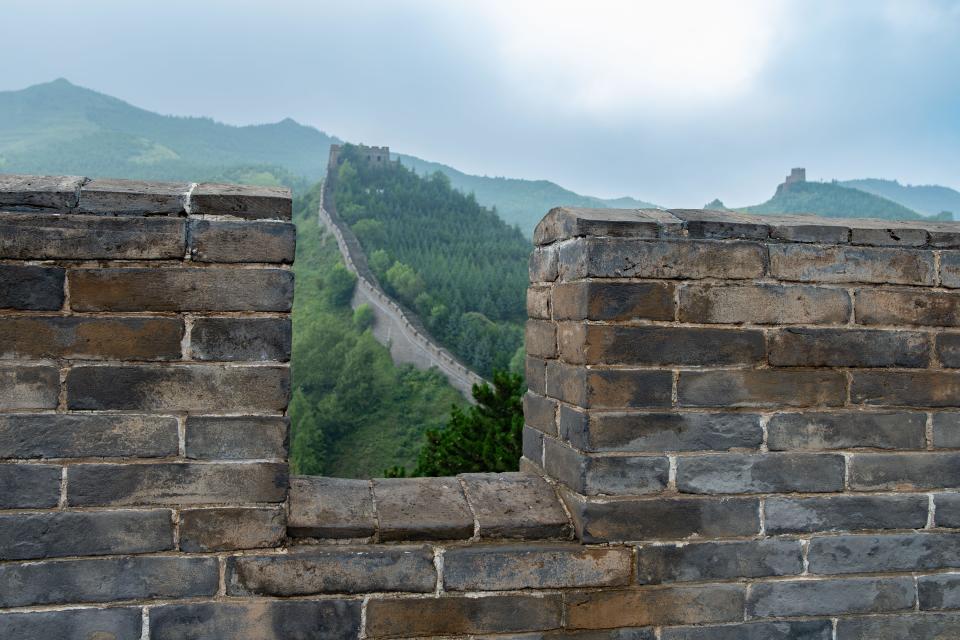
x=538, y=302
x=536, y=374
x=830, y=597
x=760, y=473
x=807, y=263
x=898, y=236
x=722, y=225
x=939, y=592
x=532, y=444
x=907, y=306
x=844, y=513
x=81, y=436
x=312, y=570
x=609, y=388
x=706, y=561
x=39, y=192
x=948, y=349
x=540, y=413
x=237, y=437
x=459, y=615
x=25, y=536
x=904, y=471
x=225, y=241
x=179, y=289
x=232, y=528
x=920, y=626
x=766, y=388
x=199, y=388
x=543, y=264
x=541, y=338
x=25, y=236
x=798, y=630
x=562, y=223
x=623, y=301
x=253, y=620
x=876, y=553
x=132, y=197
x=28, y=387
x=106, y=580
x=846, y=430
x=660, y=432
x=657, y=345
x=534, y=566
x=764, y=304
x=950, y=268
x=661, y=606
x=906, y=388
x=515, y=505
x=620, y=475
x=31, y=288
x=29, y=486
x=803, y=347
x=243, y=201
x=422, y=509
x=947, y=510
x=73, y=624
x=808, y=229
x=75, y=337
x=229, y=339
x=175, y=484
x=330, y=508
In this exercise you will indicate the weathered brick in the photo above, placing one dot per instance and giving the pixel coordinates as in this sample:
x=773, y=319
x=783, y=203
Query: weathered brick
x=620, y=475
x=664, y=518
x=906, y=388
x=948, y=349
x=918, y=626
x=232, y=528
x=808, y=229
x=252, y=620
x=73, y=624
x=39, y=192
x=807, y=263
x=797, y=630
x=31, y=288
x=703, y=561
x=534, y=566
x=28, y=387
x=106, y=580
x=540, y=413
x=244, y=201
x=721, y=225
x=80, y=436
x=224, y=241
x=904, y=471
x=178, y=388
x=657, y=345
x=658, y=606
x=335, y=569
x=846, y=430
x=455, y=615
x=541, y=338
x=562, y=223
x=132, y=197
x=538, y=302
x=515, y=505
x=609, y=388
x=543, y=264
x=635, y=633
x=830, y=597
x=26, y=236
x=844, y=513
x=939, y=592
x=760, y=473
x=422, y=509
x=98, y=338
x=330, y=508
x=660, y=432
x=29, y=486
x=907, y=306
x=896, y=236
x=950, y=269
x=536, y=374
x=803, y=347
x=614, y=301
x=763, y=304
x=25, y=536
x=228, y=339
x=237, y=437
x=766, y=388
x=175, y=484
x=532, y=444
x=211, y=289
x=668, y=259
x=947, y=510
x=886, y=553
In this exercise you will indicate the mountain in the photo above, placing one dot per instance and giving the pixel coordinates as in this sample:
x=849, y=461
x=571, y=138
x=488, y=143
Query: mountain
x=927, y=199
x=833, y=201
x=519, y=202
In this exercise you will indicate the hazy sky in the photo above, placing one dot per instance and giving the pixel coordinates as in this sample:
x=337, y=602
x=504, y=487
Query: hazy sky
x=671, y=101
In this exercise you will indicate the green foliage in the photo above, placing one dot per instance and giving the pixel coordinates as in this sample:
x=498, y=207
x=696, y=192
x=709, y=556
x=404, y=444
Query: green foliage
x=363, y=317
x=933, y=200
x=832, y=201
x=442, y=255
x=483, y=437
x=338, y=285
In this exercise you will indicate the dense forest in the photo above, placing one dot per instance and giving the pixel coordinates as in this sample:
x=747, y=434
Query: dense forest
x=457, y=265
x=834, y=201
x=354, y=413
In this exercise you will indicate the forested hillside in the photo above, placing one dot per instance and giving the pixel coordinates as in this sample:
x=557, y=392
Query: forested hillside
x=928, y=199
x=354, y=412
x=833, y=201
x=450, y=260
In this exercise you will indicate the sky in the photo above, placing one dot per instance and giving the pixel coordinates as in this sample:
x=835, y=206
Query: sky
x=673, y=102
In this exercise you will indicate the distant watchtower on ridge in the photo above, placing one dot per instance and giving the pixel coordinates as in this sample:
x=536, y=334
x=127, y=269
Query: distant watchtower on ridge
x=373, y=155
x=797, y=175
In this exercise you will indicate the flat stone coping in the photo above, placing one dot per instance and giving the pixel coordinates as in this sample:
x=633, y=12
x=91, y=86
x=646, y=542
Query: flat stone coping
x=469, y=506
x=563, y=223
x=108, y=196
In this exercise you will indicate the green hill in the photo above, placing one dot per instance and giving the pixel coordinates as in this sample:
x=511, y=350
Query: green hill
x=926, y=199
x=833, y=201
